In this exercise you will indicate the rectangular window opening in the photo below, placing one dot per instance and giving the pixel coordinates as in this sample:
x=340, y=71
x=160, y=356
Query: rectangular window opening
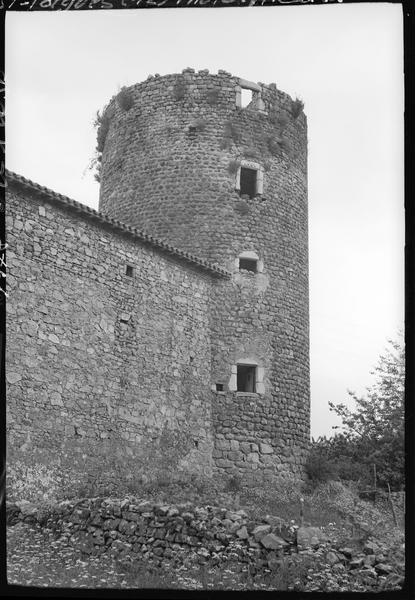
x=129, y=271
x=219, y=387
x=248, y=264
x=246, y=97
x=248, y=182
x=246, y=378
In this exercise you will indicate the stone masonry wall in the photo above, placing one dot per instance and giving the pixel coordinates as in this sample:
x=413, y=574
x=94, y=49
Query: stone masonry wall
x=99, y=364
x=170, y=161
x=169, y=157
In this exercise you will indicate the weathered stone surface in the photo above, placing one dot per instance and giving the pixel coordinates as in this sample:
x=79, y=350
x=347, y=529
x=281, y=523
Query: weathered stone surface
x=273, y=542
x=140, y=350
x=309, y=537
x=242, y=533
x=27, y=508
x=260, y=531
x=384, y=569
x=12, y=377
x=332, y=558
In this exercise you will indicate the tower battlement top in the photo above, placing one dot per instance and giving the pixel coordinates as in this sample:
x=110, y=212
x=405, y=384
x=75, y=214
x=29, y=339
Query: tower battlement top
x=220, y=89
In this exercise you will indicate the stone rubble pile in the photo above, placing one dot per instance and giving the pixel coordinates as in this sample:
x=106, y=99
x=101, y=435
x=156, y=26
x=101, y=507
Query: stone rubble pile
x=184, y=534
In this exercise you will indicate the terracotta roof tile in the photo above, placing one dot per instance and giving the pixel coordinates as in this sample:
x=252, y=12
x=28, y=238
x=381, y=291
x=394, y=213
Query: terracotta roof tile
x=14, y=178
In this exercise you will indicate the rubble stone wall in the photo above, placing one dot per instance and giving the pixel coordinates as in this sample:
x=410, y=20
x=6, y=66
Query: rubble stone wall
x=100, y=363
x=171, y=161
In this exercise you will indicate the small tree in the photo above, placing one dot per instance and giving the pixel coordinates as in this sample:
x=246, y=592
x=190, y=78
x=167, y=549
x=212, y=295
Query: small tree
x=373, y=433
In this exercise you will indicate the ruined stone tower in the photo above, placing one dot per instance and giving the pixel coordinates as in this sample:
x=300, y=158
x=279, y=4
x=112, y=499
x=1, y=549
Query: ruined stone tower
x=187, y=159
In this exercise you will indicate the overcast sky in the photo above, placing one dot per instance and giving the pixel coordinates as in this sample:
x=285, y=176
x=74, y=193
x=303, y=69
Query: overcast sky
x=344, y=61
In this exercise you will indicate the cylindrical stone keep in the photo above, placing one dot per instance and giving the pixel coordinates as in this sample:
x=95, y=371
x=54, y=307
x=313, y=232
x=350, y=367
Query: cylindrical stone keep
x=187, y=158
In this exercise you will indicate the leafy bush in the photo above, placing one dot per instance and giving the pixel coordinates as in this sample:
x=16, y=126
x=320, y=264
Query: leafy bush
x=102, y=124
x=319, y=467
x=297, y=106
x=373, y=433
x=125, y=99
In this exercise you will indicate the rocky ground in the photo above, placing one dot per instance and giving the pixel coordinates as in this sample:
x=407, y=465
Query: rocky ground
x=230, y=550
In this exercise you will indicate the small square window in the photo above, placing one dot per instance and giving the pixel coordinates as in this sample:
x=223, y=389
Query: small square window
x=246, y=97
x=248, y=264
x=129, y=271
x=246, y=378
x=219, y=387
x=248, y=182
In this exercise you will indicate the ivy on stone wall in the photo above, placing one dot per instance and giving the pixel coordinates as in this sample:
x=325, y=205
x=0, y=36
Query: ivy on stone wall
x=125, y=99
x=297, y=106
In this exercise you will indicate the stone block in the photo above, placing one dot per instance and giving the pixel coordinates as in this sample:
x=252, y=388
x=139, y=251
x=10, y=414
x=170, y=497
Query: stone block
x=309, y=537
x=260, y=531
x=265, y=448
x=273, y=542
x=252, y=457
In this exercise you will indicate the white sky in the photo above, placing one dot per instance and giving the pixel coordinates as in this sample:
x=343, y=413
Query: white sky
x=344, y=61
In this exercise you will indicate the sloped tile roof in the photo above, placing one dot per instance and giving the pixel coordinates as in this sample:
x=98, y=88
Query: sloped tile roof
x=118, y=226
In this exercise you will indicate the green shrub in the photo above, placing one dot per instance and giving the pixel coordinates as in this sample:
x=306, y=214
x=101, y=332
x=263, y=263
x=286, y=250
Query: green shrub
x=102, y=124
x=373, y=432
x=297, y=106
x=125, y=99
x=319, y=468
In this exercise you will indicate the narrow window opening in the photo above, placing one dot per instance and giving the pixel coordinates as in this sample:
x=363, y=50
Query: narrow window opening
x=248, y=182
x=129, y=271
x=246, y=378
x=219, y=387
x=248, y=264
x=246, y=97
x=196, y=443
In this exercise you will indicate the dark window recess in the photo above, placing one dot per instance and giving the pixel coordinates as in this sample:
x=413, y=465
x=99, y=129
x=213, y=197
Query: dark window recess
x=249, y=264
x=246, y=378
x=219, y=387
x=248, y=182
x=129, y=271
x=196, y=443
